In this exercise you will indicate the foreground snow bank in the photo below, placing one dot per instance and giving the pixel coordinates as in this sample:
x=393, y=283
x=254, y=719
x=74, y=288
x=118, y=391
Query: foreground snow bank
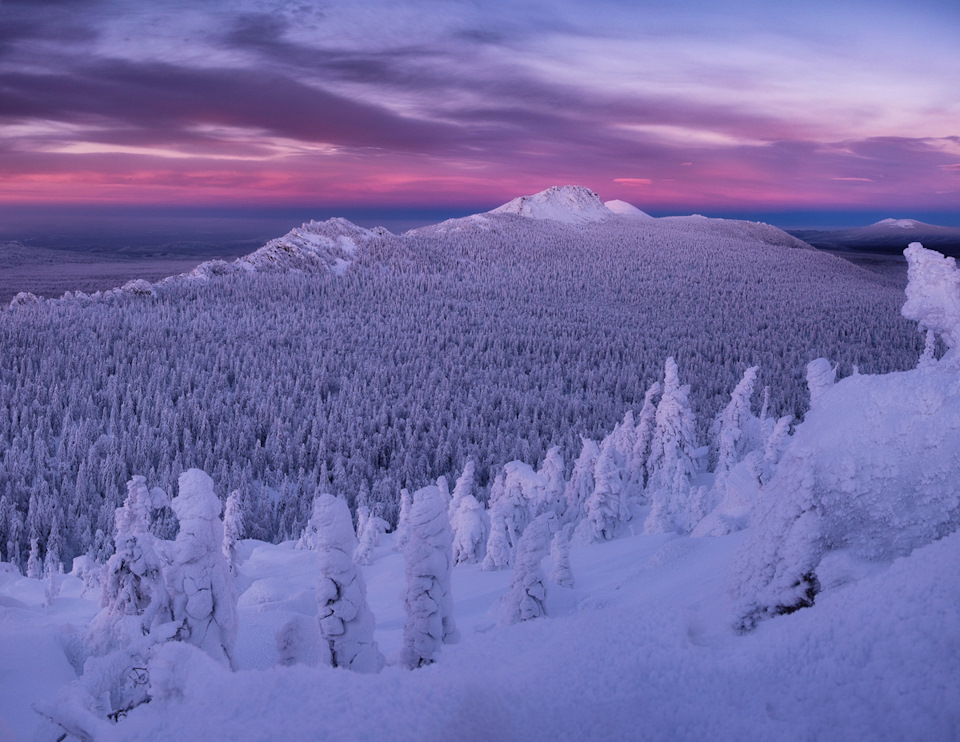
x=646, y=655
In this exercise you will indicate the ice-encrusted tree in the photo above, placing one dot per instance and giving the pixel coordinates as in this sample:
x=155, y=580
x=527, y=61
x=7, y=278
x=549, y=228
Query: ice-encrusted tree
x=561, y=573
x=643, y=438
x=468, y=519
x=933, y=293
x=203, y=602
x=527, y=596
x=403, y=519
x=820, y=377
x=731, y=430
x=551, y=471
x=582, y=483
x=232, y=529
x=606, y=511
x=134, y=594
x=346, y=622
x=372, y=528
x=428, y=602
x=498, y=553
x=673, y=457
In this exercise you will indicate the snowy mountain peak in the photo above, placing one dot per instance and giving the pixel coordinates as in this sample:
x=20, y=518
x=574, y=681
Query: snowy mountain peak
x=622, y=208
x=897, y=223
x=568, y=204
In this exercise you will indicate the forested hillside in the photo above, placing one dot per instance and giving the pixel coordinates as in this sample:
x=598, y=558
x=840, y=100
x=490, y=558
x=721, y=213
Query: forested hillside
x=384, y=361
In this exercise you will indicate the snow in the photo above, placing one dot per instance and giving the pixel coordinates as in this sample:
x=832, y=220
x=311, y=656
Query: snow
x=622, y=208
x=897, y=223
x=566, y=204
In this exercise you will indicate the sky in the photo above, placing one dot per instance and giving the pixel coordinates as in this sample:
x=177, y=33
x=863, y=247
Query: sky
x=427, y=106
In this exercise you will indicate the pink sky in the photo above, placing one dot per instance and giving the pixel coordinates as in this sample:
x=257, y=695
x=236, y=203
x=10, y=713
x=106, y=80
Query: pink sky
x=724, y=105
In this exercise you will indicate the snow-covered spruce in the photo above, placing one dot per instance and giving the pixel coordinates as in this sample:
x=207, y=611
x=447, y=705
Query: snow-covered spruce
x=933, y=293
x=606, y=509
x=736, y=430
x=346, y=622
x=582, y=482
x=371, y=530
x=527, y=596
x=551, y=472
x=133, y=594
x=561, y=573
x=673, y=457
x=232, y=529
x=203, y=602
x=468, y=520
x=428, y=602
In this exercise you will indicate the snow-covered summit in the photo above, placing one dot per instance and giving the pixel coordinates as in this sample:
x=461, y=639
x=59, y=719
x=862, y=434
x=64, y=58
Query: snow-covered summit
x=622, y=208
x=897, y=223
x=568, y=204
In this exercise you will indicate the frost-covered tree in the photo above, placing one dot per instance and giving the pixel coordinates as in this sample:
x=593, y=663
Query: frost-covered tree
x=731, y=430
x=372, y=529
x=606, y=510
x=582, y=482
x=133, y=594
x=561, y=573
x=933, y=293
x=527, y=596
x=468, y=520
x=403, y=520
x=551, y=472
x=233, y=527
x=673, y=457
x=428, y=602
x=203, y=602
x=346, y=622
x=643, y=438
x=498, y=553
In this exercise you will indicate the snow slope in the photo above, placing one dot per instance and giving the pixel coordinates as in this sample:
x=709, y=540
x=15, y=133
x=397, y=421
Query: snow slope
x=642, y=647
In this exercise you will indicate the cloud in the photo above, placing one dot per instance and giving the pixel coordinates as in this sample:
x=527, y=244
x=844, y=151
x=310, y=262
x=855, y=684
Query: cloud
x=633, y=181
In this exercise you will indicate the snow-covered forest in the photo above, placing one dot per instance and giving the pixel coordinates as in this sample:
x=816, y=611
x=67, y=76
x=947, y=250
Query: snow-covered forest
x=360, y=362
x=739, y=564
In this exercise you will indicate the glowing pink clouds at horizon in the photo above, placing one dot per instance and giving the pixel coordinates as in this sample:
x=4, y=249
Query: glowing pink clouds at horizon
x=724, y=104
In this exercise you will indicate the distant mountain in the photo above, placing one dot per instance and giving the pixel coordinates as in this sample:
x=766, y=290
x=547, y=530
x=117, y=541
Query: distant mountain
x=888, y=236
x=566, y=204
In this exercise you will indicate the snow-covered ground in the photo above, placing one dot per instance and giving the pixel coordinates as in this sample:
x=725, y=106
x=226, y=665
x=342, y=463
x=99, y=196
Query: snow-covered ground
x=641, y=648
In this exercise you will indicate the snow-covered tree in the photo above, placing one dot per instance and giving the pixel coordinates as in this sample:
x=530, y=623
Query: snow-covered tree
x=346, y=622
x=582, y=483
x=498, y=553
x=606, y=511
x=561, y=573
x=933, y=293
x=468, y=520
x=203, y=603
x=428, y=602
x=134, y=594
x=732, y=427
x=551, y=472
x=403, y=526
x=233, y=528
x=636, y=473
x=673, y=457
x=371, y=530
x=528, y=591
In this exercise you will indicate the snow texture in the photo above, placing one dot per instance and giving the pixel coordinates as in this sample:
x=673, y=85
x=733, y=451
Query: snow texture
x=428, y=602
x=203, y=602
x=346, y=622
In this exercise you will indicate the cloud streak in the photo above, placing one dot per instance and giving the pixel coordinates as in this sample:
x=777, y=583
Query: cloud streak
x=289, y=102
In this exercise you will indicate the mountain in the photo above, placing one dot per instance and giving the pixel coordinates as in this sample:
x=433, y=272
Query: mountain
x=887, y=236
x=622, y=208
x=566, y=204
